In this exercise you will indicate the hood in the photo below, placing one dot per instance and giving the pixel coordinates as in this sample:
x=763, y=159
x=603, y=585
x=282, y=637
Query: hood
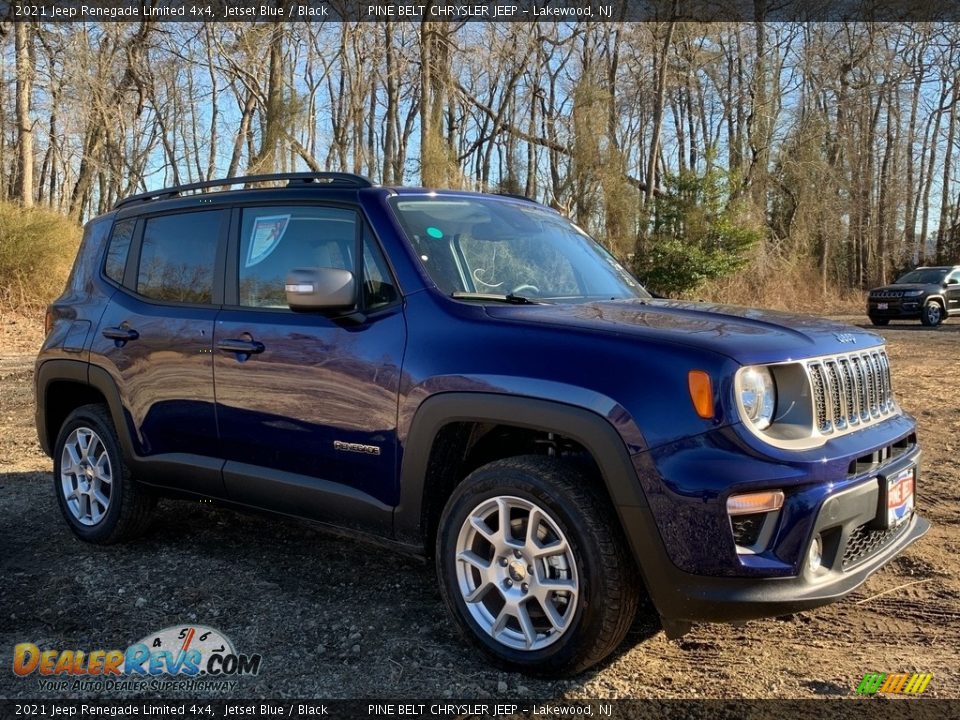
x=745, y=334
x=899, y=289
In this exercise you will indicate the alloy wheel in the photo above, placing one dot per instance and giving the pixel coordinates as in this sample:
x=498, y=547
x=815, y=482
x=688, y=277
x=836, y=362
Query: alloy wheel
x=86, y=476
x=516, y=573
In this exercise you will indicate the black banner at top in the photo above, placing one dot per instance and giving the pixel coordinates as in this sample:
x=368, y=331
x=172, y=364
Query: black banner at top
x=481, y=10
x=502, y=709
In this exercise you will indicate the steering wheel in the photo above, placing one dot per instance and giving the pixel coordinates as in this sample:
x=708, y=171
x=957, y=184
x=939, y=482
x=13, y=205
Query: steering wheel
x=520, y=288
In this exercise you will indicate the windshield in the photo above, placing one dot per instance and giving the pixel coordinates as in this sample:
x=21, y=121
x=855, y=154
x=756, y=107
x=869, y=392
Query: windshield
x=492, y=247
x=923, y=277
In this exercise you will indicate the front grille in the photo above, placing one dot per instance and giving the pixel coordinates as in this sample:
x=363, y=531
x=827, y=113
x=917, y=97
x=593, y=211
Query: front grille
x=851, y=406
x=871, y=461
x=866, y=541
x=886, y=295
x=851, y=389
x=818, y=378
x=837, y=404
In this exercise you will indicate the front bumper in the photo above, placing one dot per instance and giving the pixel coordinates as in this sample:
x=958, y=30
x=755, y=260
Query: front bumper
x=904, y=308
x=695, y=575
x=684, y=597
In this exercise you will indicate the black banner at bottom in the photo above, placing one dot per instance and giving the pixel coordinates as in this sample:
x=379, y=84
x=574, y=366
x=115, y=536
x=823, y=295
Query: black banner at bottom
x=880, y=708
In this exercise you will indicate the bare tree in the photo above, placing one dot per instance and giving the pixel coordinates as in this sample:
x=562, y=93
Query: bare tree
x=23, y=190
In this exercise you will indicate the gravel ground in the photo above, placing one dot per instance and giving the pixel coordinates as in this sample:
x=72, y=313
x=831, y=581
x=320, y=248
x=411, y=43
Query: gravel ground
x=333, y=618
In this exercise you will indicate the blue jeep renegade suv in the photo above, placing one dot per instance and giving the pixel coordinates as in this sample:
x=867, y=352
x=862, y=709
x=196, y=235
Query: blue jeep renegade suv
x=472, y=378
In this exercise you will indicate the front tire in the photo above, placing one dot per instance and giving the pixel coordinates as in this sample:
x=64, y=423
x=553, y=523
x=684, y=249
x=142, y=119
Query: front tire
x=96, y=494
x=532, y=569
x=932, y=314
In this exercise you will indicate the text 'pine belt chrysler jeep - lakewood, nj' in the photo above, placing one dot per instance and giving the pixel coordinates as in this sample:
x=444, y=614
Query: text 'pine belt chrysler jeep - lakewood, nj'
x=472, y=378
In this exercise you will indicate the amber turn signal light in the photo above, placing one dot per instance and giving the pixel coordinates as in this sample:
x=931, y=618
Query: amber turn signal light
x=701, y=392
x=750, y=503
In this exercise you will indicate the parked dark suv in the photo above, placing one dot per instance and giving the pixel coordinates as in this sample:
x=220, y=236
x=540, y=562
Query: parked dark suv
x=470, y=377
x=929, y=293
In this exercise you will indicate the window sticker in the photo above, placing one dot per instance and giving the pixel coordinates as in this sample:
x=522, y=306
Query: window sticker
x=267, y=233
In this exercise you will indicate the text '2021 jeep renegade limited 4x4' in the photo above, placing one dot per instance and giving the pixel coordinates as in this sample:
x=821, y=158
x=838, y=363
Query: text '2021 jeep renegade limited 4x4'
x=473, y=378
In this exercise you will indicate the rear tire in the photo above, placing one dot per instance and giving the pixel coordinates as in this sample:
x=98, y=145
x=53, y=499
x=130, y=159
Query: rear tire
x=567, y=593
x=879, y=321
x=96, y=494
x=932, y=314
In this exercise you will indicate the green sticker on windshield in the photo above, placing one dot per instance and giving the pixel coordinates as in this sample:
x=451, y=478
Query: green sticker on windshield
x=435, y=232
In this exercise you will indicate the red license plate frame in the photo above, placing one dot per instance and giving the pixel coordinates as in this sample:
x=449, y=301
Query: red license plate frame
x=900, y=497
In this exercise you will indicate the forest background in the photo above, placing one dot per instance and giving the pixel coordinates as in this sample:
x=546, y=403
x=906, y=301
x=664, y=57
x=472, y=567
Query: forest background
x=781, y=164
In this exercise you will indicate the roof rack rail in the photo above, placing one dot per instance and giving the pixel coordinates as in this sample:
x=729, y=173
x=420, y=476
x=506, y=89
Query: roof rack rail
x=517, y=196
x=304, y=178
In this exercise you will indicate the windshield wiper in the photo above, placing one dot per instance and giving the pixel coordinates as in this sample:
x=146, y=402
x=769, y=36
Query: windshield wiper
x=509, y=298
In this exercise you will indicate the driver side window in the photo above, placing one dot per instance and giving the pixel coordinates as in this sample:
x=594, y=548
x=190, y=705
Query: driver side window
x=277, y=239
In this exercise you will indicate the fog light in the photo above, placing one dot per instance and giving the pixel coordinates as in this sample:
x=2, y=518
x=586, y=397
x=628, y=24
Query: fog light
x=815, y=554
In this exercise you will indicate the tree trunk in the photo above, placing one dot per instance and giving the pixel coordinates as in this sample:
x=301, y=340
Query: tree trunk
x=391, y=173
x=274, y=120
x=928, y=183
x=24, y=187
x=243, y=132
x=658, y=103
x=426, y=100
x=944, y=227
x=760, y=120
x=910, y=212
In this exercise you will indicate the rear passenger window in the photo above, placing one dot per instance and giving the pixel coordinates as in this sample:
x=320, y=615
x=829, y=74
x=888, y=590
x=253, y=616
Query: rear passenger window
x=178, y=255
x=275, y=240
x=117, y=252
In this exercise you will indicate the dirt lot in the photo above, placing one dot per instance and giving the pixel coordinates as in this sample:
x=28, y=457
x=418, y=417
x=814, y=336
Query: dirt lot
x=336, y=619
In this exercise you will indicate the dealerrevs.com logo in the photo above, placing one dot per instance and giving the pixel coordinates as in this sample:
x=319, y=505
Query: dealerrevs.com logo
x=184, y=657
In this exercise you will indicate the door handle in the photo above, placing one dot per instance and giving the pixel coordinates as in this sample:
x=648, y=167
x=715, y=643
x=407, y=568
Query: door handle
x=120, y=335
x=241, y=347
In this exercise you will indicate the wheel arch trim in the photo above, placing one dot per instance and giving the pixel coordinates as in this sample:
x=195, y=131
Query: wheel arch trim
x=592, y=431
x=80, y=373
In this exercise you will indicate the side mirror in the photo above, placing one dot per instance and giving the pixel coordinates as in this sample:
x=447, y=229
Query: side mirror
x=953, y=281
x=321, y=288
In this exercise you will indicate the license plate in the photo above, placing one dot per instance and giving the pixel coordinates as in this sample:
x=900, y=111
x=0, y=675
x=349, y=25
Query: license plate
x=883, y=306
x=900, y=497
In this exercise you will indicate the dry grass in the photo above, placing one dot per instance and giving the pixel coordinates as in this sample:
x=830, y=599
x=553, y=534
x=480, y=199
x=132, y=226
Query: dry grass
x=782, y=284
x=37, y=248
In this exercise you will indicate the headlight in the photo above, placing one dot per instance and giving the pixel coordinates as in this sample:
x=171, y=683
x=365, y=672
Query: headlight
x=912, y=293
x=756, y=395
